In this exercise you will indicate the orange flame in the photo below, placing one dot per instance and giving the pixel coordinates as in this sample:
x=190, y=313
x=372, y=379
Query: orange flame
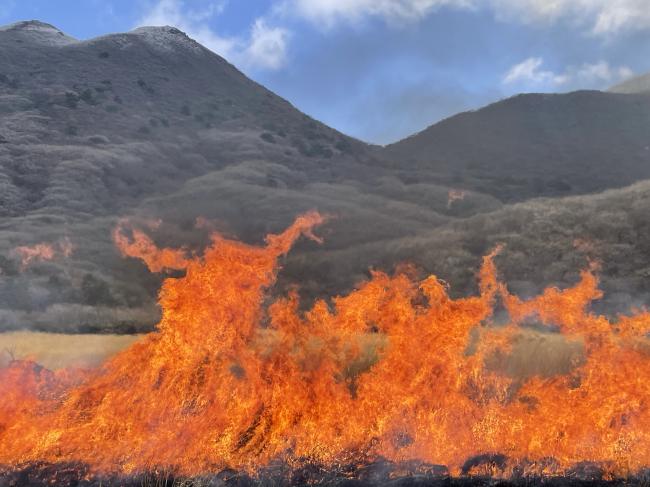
x=142, y=247
x=454, y=195
x=387, y=371
x=43, y=252
x=38, y=252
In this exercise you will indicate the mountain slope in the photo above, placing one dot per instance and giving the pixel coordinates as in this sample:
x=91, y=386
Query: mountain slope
x=535, y=145
x=103, y=109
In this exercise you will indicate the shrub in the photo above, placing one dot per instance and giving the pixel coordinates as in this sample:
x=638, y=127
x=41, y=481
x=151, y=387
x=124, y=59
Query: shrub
x=268, y=137
x=87, y=97
x=95, y=291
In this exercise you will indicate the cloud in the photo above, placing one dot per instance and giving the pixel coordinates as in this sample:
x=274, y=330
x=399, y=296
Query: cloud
x=264, y=48
x=268, y=46
x=599, y=17
x=530, y=73
x=330, y=12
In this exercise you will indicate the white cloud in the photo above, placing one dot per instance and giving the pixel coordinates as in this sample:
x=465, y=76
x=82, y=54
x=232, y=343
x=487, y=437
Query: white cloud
x=268, y=46
x=330, y=12
x=529, y=71
x=601, y=72
x=531, y=74
x=600, y=17
x=264, y=48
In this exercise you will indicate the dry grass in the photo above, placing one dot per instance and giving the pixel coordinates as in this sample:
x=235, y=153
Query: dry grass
x=55, y=350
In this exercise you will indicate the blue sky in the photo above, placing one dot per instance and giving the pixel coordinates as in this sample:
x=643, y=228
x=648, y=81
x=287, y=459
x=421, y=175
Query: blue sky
x=383, y=69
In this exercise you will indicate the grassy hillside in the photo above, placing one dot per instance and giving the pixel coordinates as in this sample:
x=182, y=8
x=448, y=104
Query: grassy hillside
x=534, y=145
x=150, y=125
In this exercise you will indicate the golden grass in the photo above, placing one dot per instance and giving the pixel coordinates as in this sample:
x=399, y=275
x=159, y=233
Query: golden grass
x=57, y=350
x=533, y=353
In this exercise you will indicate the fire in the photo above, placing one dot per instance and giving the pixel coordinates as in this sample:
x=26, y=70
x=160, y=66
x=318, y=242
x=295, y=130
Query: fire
x=66, y=247
x=38, y=252
x=43, y=252
x=396, y=369
x=142, y=247
x=454, y=195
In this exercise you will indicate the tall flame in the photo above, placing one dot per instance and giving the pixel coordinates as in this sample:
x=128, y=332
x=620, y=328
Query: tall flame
x=396, y=369
x=142, y=247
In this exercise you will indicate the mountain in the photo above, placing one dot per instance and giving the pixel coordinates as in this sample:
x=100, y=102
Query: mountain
x=534, y=145
x=103, y=109
x=151, y=126
x=636, y=85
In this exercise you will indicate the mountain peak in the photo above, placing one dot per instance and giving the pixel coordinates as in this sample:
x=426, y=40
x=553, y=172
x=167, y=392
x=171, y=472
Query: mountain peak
x=167, y=37
x=38, y=31
x=30, y=25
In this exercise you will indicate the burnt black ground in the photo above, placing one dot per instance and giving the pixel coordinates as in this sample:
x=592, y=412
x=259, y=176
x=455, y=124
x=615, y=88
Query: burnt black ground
x=378, y=474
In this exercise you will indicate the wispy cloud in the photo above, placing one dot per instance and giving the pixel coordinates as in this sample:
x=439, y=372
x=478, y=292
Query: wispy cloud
x=530, y=71
x=265, y=46
x=598, y=17
x=531, y=74
x=327, y=13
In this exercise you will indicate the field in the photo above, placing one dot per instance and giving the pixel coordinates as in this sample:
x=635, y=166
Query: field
x=58, y=350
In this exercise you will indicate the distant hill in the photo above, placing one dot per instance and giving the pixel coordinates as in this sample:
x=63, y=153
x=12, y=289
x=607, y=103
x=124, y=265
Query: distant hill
x=151, y=125
x=534, y=145
x=636, y=85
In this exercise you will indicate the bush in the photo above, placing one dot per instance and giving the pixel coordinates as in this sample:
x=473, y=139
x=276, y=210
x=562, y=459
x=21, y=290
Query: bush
x=95, y=291
x=268, y=137
x=87, y=97
x=71, y=99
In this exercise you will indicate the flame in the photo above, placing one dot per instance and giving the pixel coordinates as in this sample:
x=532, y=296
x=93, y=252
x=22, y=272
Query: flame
x=43, y=252
x=396, y=369
x=203, y=223
x=454, y=195
x=38, y=252
x=66, y=247
x=142, y=247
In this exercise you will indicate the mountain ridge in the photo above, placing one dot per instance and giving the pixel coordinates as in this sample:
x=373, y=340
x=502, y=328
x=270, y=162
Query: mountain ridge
x=536, y=145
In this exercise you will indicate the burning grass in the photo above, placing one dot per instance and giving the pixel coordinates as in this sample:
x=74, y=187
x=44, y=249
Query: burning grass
x=396, y=374
x=43, y=252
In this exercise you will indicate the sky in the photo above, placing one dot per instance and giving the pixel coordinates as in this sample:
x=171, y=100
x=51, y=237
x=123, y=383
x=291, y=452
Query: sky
x=381, y=70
